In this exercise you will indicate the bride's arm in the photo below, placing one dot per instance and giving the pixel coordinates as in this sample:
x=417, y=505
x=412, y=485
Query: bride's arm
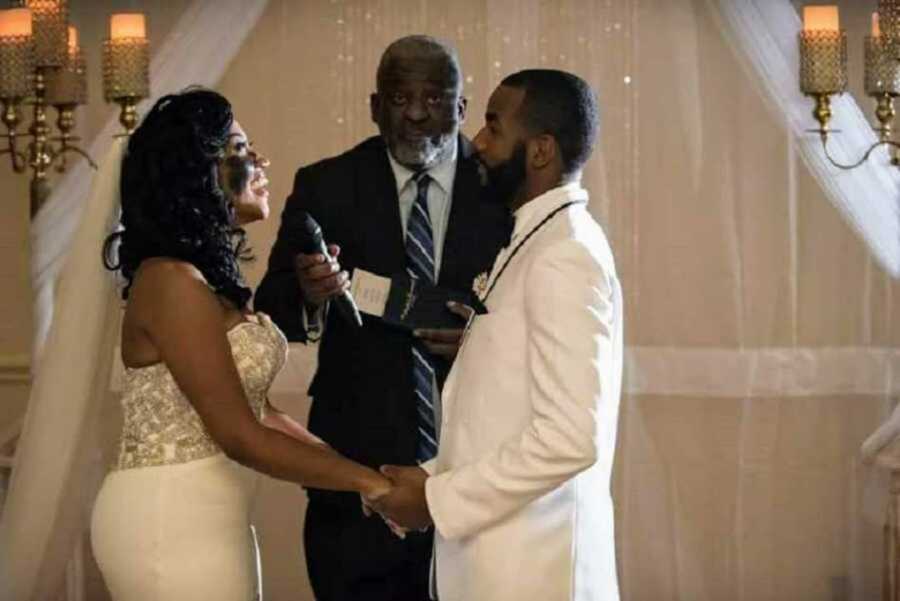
x=279, y=420
x=186, y=323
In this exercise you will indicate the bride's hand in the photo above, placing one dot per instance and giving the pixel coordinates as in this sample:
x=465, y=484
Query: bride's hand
x=367, y=498
x=373, y=488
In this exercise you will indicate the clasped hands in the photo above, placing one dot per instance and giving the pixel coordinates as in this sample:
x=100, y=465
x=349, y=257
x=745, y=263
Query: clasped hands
x=402, y=506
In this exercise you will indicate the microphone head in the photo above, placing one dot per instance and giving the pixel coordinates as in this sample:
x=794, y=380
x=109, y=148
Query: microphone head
x=305, y=232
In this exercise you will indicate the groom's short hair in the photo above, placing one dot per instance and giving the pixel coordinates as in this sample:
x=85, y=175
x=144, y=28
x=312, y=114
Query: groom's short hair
x=562, y=105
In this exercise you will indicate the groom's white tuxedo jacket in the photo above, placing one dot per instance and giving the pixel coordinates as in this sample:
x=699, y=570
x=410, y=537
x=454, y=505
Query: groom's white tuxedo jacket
x=520, y=491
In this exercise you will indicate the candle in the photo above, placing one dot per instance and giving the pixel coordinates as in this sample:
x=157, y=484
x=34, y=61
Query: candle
x=876, y=30
x=820, y=18
x=126, y=60
x=15, y=22
x=127, y=25
x=73, y=40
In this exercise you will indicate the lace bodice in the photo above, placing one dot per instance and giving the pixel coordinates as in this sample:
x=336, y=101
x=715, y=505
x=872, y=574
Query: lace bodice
x=160, y=425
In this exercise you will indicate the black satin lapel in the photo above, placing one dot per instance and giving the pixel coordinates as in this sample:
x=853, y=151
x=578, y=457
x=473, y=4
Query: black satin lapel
x=378, y=212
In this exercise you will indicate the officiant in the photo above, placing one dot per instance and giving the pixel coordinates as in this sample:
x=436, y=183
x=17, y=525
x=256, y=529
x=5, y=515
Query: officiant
x=407, y=201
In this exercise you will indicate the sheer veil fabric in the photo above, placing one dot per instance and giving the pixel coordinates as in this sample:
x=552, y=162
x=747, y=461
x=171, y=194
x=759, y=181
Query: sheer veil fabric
x=77, y=311
x=59, y=460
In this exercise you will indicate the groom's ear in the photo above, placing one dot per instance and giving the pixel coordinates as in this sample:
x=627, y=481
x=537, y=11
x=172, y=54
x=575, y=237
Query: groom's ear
x=374, y=106
x=461, y=105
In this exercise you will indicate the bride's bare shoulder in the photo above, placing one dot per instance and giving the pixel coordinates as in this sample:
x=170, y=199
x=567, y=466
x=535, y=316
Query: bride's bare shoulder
x=164, y=291
x=169, y=281
x=157, y=272
x=167, y=268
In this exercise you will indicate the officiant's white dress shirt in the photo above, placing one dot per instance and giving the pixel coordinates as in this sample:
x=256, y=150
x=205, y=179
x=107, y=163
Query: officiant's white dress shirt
x=520, y=491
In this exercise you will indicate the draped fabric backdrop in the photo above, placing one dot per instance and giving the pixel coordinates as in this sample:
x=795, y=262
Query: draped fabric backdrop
x=763, y=335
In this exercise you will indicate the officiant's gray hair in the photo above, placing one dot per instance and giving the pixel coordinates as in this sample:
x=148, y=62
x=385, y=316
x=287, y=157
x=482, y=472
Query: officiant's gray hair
x=419, y=47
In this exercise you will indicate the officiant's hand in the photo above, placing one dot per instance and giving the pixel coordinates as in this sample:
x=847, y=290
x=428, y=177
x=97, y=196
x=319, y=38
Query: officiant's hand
x=320, y=277
x=444, y=342
x=405, y=503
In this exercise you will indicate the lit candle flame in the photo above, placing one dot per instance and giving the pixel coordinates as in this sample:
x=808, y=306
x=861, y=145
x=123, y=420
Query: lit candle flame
x=820, y=18
x=73, y=40
x=15, y=22
x=127, y=25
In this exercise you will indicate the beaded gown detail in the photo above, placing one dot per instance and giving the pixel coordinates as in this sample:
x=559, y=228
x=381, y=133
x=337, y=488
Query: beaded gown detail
x=172, y=519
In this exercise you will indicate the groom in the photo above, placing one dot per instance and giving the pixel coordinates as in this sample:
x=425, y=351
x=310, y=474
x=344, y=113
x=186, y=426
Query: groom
x=519, y=491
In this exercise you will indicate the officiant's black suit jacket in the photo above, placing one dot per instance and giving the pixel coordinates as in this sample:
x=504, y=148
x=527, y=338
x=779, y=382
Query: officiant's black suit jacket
x=363, y=400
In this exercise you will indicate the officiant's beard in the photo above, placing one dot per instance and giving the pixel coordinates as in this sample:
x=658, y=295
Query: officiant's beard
x=421, y=152
x=506, y=178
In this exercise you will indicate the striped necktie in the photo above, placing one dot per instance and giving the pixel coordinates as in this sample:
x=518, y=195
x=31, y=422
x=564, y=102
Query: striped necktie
x=420, y=265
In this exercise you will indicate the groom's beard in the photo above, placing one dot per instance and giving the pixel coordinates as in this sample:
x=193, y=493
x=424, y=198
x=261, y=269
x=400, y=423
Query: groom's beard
x=507, y=177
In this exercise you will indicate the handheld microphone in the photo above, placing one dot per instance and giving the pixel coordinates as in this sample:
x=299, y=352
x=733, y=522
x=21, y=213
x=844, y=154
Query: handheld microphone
x=306, y=238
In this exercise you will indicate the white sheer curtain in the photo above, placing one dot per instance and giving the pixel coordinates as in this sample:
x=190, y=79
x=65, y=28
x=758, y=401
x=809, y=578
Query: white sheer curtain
x=57, y=465
x=761, y=316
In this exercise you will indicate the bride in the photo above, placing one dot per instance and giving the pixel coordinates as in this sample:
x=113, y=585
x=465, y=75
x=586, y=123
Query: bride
x=171, y=520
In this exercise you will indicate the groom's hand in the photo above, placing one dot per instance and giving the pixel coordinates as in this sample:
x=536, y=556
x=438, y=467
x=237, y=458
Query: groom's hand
x=405, y=503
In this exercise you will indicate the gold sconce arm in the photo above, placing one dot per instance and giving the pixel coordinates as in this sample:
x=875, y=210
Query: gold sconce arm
x=10, y=118
x=18, y=161
x=885, y=113
x=66, y=141
x=66, y=148
x=823, y=136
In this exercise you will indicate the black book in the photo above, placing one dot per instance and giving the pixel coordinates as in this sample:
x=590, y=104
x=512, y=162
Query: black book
x=412, y=304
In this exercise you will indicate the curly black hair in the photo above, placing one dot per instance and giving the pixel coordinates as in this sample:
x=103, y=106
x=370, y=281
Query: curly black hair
x=172, y=201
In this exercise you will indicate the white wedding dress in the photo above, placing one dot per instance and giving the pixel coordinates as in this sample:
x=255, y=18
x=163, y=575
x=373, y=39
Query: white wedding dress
x=172, y=520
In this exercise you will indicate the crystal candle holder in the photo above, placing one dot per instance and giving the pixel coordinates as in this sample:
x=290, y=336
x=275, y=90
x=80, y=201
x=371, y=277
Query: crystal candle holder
x=882, y=72
x=126, y=69
x=823, y=62
x=16, y=67
x=50, y=30
x=889, y=23
x=68, y=84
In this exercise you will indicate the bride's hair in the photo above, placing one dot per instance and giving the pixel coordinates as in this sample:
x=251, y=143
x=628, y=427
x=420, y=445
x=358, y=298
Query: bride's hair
x=172, y=202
